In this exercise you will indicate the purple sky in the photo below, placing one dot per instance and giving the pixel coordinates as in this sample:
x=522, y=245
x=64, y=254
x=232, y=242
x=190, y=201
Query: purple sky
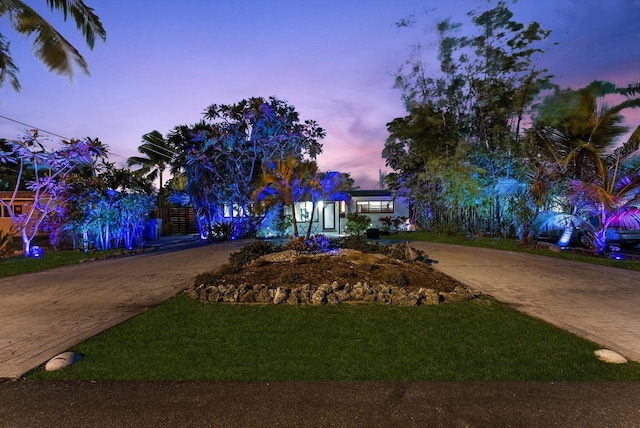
x=334, y=60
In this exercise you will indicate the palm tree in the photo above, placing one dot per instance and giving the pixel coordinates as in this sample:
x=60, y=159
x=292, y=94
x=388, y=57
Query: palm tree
x=158, y=155
x=49, y=46
x=328, y=186
x=285, y=182
x=580, y=133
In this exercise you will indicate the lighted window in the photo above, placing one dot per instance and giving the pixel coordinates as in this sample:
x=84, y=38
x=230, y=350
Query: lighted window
x=305, y=212
x=374, y=206
x=237, y=211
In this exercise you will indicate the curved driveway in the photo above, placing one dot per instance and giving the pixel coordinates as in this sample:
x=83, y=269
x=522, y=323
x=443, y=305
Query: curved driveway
x=598, y=303
x=45, y=313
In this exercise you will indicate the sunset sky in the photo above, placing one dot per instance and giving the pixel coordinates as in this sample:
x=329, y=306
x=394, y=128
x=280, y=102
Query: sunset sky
x=165, y=61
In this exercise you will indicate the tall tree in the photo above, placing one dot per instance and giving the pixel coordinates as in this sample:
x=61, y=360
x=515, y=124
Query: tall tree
x=223, y=156
x=474, y=106
x=49, y=46
x=580, y=136
x=158, y=154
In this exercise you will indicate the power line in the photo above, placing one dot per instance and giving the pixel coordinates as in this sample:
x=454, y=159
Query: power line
x=34, y=127
x=66, y=138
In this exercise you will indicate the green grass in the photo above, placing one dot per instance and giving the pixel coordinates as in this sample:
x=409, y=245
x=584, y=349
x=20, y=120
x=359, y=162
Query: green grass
x=51, y=259
x=508, y=244
x=185, y=339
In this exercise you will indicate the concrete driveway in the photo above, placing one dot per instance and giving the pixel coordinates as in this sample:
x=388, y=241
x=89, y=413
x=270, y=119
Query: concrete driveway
x=598, y=303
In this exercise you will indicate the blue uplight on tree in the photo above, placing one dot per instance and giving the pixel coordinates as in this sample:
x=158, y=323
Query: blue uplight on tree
x=36, y=251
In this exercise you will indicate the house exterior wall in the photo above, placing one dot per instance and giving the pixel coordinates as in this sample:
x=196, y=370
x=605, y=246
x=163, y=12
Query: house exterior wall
x=20, y=204
x=377, y=204
x=329, y=218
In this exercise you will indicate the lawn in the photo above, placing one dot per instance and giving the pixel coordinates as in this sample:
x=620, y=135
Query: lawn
x=509, y=244
x=185, y=339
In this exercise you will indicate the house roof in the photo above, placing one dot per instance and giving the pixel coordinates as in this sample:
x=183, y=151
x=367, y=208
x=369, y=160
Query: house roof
x=370, y=193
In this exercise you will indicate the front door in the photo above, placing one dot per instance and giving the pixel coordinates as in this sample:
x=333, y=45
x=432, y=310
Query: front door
x=329, y=216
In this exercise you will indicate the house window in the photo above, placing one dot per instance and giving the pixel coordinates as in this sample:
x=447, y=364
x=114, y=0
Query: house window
x=305, y=212
x=17, y=210
x=237, y=211
x=374, y=206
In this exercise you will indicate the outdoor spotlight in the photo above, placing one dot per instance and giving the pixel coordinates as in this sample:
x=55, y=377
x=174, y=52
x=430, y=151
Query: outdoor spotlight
x=36, y=251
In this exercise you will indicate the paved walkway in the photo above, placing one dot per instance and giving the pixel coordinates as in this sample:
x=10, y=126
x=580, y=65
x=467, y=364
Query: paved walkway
x=598, y=303
x=46, y=313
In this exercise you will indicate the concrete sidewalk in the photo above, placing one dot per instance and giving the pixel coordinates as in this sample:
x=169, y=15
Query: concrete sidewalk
x=598, y=303
x=45, y=313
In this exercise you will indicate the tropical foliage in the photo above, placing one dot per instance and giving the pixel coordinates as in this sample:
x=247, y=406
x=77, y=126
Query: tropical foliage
x=222, y=156
x=289, y=181
x=489, y=142
x=48, y=169
x=157, y=154
x=582, y=138
x=104, y=211
x=462, y=134
x=49, y=46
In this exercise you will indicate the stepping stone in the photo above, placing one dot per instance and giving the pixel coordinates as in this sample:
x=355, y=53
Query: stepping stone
x=61, y=361
x=609, y=356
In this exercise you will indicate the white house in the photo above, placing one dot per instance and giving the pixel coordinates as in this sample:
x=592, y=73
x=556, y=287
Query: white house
x=330, y=218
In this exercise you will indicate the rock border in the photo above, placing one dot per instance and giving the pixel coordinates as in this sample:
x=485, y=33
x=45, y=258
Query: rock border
x=326, y=293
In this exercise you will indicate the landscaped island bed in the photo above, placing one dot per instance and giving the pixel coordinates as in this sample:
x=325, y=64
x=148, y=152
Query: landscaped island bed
x=339, y=276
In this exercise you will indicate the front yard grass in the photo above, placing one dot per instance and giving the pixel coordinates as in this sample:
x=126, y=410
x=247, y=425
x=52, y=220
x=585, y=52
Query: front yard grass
x=478, y=340
x=19, y=265
x=509, y=244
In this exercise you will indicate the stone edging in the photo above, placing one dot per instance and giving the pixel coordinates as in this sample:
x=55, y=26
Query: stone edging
x=327, y=294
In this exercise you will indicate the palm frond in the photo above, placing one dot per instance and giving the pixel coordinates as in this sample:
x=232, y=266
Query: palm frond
x=8, y=68
x=581, y=191
x=49, y=46
x=86, y=20
x=631, y=90
x=628, y=184
x=629, y=219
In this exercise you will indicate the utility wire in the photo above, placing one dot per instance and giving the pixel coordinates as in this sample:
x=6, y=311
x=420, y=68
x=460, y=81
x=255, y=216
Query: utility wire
x=66, y=138
x=34, y=127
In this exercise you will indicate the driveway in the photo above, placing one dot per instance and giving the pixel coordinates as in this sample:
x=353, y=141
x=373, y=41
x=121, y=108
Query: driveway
x=598, y=303
x=46, y=313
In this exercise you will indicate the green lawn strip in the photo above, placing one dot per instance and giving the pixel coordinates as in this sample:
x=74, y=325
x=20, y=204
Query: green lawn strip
x=508, y=244
x=185, y=339
x=51, y=259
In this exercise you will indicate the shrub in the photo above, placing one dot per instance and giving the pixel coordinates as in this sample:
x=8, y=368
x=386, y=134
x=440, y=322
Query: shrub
x=356, y=242
x=396, y=278
x=357, y=223
x=252, y=251
x=296, y=244
x=223, y=230
x=316, y=244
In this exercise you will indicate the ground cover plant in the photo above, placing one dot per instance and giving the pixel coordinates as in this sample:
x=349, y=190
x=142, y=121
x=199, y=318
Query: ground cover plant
x=51, y=259
x=480, y=339
x=508, y=244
